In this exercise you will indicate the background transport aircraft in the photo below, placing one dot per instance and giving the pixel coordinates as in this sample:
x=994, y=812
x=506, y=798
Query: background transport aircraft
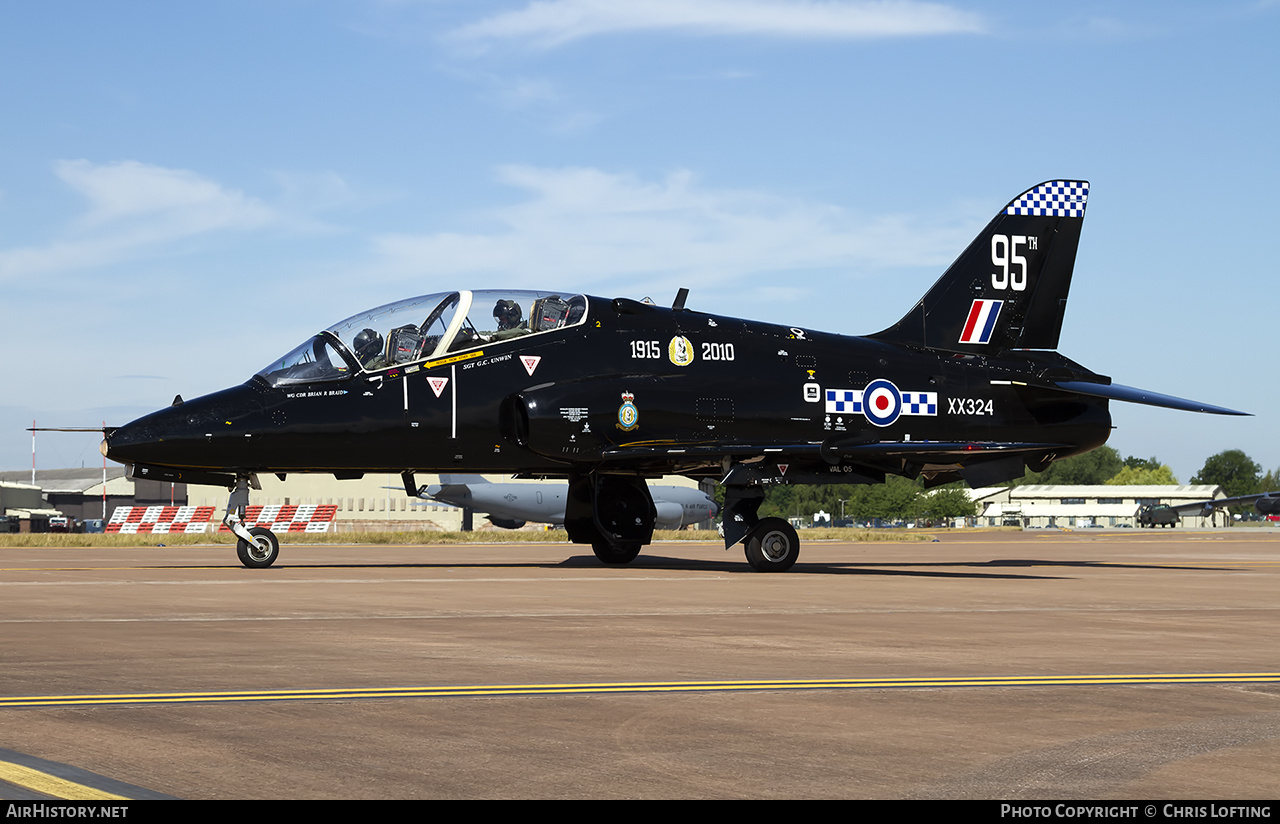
x=608, y=393
x=511, y=505
x=1266, y=503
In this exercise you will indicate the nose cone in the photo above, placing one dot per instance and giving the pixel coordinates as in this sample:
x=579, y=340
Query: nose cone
x=211, y=432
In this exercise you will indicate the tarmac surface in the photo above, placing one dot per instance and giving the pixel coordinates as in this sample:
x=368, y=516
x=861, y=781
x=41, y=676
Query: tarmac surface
x=987, y=665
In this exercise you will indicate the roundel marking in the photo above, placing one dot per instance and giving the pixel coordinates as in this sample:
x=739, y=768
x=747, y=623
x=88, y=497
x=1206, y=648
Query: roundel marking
x=881, y=402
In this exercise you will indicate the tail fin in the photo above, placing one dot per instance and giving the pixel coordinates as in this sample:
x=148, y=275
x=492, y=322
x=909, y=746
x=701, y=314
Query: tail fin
x=1008, y=290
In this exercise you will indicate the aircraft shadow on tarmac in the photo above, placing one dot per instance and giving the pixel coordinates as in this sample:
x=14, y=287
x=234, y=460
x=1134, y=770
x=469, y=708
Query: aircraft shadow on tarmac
x=934, y=569
x=728, y=565
x=931, y=569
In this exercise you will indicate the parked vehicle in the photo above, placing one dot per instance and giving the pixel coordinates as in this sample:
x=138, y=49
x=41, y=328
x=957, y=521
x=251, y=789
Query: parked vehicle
x=1153, y=515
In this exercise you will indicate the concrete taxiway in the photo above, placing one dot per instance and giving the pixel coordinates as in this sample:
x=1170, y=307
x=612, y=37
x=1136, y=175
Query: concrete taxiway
x=986, y=665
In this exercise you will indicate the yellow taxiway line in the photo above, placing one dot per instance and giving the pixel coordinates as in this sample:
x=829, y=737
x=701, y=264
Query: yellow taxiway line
x=52, y=785
x=513, y=690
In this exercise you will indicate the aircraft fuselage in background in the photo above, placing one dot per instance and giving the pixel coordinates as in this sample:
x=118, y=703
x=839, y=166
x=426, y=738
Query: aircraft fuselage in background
x=512, y=505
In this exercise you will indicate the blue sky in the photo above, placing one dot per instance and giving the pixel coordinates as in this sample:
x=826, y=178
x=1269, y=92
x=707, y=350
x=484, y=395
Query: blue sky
x=189, y=190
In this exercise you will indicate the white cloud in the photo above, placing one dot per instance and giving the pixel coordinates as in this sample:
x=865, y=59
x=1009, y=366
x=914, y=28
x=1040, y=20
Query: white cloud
x=526, y=91
x=129, y=189
x=582, y=226
x=134, y=208
x=550, y=23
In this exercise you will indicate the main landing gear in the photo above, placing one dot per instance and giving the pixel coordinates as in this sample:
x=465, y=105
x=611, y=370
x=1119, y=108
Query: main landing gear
x=613, y=513
x=770, y=544
x=615, y=555
x=257, y=546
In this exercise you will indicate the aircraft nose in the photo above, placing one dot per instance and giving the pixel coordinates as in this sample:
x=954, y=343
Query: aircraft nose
x=203, y=432
x=129, y=443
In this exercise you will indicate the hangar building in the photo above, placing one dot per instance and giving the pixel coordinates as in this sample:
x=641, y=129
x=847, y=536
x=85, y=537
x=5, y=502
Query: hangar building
x=23, y=508
x=1036, y=506
x=90, y=493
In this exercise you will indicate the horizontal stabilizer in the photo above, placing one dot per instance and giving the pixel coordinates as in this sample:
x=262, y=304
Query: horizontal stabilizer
x=1117, y=392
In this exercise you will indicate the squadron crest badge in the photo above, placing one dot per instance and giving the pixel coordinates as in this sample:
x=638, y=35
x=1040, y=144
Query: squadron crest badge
x=628, y=415
x=680, y=351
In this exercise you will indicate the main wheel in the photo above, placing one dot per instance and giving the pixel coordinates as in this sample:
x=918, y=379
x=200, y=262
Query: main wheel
x=772, y=546
x=262, y=552
x=615, y=555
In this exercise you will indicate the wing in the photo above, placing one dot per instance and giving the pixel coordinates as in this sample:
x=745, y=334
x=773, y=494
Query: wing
x=1207, y=507
x=978, y=463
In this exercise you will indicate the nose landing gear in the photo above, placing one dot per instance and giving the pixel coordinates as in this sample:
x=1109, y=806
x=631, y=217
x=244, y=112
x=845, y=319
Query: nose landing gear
x=261, y=550
x=257, y=546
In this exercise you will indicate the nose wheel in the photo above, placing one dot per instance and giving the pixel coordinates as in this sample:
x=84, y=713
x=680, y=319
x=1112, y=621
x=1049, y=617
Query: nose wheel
x=261, y=550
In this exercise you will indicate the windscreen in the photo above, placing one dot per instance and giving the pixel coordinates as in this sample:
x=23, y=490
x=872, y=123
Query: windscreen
x=316, y=360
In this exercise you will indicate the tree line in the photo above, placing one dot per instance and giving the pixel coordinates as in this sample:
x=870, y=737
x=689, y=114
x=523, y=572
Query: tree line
x=901, y=499
x=897, y=499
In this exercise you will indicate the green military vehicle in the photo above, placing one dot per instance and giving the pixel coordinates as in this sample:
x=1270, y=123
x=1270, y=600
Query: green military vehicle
x=1154, y=515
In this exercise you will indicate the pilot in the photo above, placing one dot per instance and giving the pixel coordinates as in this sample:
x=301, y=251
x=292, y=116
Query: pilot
x=509, y=317
x=368, y=346
x=507, y=313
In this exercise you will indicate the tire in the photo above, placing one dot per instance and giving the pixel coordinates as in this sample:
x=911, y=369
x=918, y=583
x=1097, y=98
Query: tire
x=615, y=555
x=264, y=550
x=772, y=546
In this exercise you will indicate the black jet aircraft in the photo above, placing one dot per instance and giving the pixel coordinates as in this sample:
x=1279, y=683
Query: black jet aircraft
x=605, y=393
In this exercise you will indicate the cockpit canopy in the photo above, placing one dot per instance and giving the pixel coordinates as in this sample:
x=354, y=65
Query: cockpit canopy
x=422, y=328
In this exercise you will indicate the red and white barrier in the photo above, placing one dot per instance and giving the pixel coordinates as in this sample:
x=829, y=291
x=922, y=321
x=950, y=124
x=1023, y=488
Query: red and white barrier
x=134, y=520
x=289, y=517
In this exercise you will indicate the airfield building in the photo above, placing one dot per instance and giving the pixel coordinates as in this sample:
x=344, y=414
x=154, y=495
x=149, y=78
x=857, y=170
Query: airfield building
x=23, y=508
x=88, y=493
x=1039, y=506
